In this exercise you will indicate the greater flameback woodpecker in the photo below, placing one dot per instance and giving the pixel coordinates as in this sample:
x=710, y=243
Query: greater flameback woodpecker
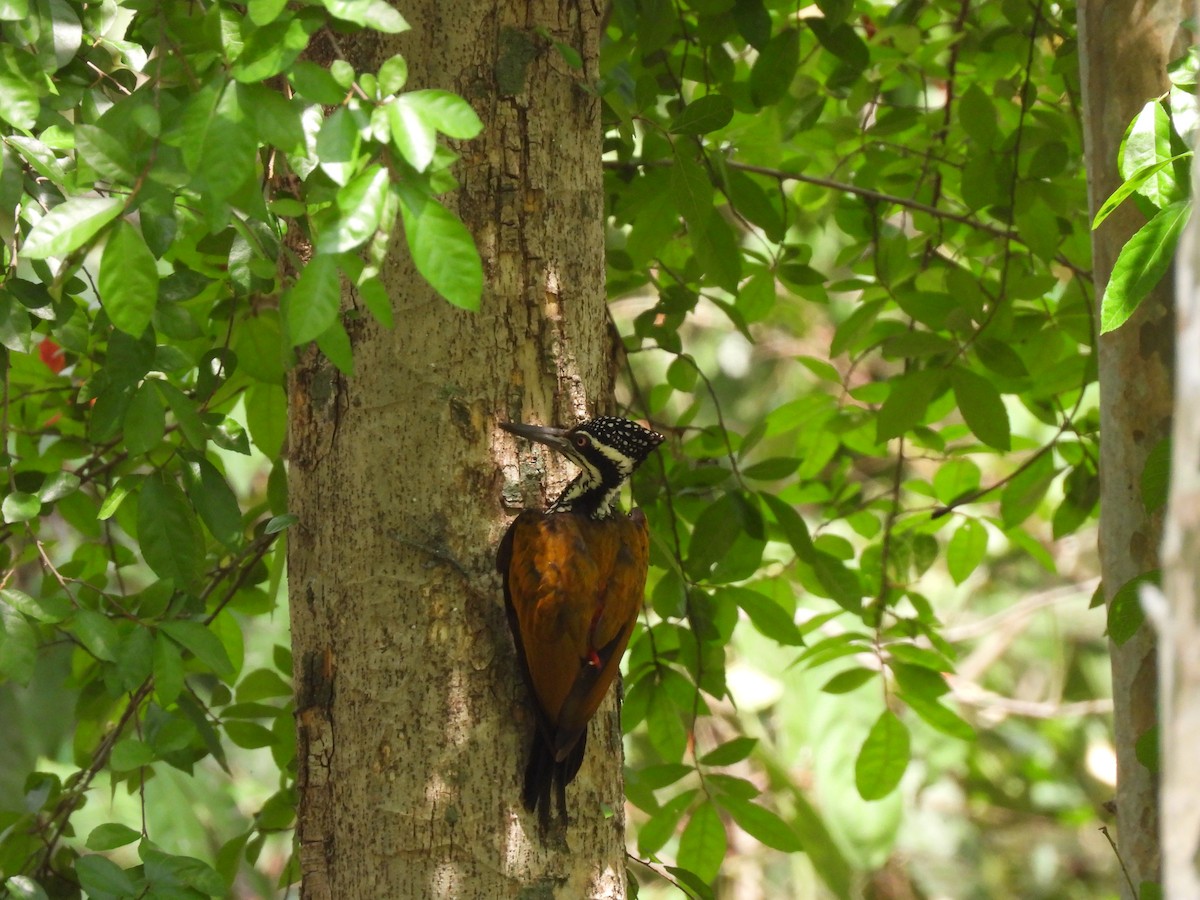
x=574, y=577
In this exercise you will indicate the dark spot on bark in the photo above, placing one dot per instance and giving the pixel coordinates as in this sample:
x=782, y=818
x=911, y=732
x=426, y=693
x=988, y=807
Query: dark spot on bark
x=517, y=51
x=460, y=415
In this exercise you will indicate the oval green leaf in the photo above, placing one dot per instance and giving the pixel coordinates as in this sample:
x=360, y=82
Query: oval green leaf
x=69, y=226
x=883, y=758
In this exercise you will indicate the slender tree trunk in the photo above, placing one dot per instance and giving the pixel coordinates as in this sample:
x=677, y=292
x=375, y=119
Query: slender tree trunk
x=1124, y=48
x=413, y=722
x=1179, y=617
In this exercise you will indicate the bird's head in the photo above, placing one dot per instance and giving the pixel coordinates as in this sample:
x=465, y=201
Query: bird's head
x=606, y=450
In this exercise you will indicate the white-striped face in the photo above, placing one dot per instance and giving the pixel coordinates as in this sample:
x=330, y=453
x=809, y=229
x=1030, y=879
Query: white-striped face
x=607, y=450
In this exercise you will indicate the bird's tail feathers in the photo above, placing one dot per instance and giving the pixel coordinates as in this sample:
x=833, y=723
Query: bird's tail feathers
x=546, y=776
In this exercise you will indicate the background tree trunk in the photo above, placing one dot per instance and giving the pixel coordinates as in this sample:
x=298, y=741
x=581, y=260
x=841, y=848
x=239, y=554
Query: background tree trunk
x=413, y=722
x=1124, y=48
x=1179, y=618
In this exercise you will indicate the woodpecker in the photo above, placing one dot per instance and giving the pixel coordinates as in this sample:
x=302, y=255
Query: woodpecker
x=574, y=578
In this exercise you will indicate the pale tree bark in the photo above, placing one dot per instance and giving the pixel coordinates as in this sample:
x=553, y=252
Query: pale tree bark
x=413, y=722
x=1124, y=49
x=1177, y=615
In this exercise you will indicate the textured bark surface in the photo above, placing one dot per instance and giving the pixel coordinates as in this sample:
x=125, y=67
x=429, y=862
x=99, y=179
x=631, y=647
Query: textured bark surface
x=1179, y=618
x=413, y=722
x=1124, y=48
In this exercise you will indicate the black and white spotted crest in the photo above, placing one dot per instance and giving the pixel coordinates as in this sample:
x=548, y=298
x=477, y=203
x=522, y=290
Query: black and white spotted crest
x=621, y=436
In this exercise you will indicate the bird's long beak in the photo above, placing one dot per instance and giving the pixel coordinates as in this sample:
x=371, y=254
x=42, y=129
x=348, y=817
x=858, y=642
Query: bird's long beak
x=554, y=438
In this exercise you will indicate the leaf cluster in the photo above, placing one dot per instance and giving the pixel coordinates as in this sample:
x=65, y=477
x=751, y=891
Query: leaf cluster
x=185, y=195
x=896, y=190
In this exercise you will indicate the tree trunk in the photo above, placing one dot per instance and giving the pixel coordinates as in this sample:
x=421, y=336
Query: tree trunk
x=413, y=721
x=1179, y=617
x=1124, y=48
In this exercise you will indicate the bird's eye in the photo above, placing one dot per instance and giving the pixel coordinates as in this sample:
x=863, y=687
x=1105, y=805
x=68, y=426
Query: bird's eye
x=581, y=440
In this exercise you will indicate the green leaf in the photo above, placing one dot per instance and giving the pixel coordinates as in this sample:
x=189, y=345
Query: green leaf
x=966, y=549
x=792, y=524
x=1025, y=490
x=129, y=754
x=272, y=48
x=977, y=113
x=703, y=115
x=69, y=226
x=702, y=845
x=18, y=646
x=883, y=758
x=266, y=417
x=766, y=615
x=171, y=871
x=279, y=523
x=111, y=835
x=115, y=498
x=1141, y=264
x=907, y=402
x=757, y=297
x=1133, y=185
x=262, y=684
x=183, y=408
x=442, y=249
x=104, y=152
x=775, y=68
x=772, y=469
x=715, y=531
x=376, y=14
x=849, y=680
x=1147, y=141
x=717, y=252
x=664, y=727
x=1125, y=614
x=60, y=484
x=334, y=342
x=938, y=716
x=167, y=532
x=51, y=608
x=762, y=825
x=692, y=191
x=248, y=735
x=22, y=887
x=446, y=112
x=19, y=101
x=360, y=206
x=662, y=823
x=312, y=302
x=733, y=751
x=20, y=507
x=167, y=666
x=145, y=420
x=315, y=83
x=101, y=877
x=214, y=501
x=393, y=74
x=980, y=405
x=413, y=135
x=691, y=884
x=128, y=280
x=954, y=479
x=339, y=145
x=203, y=644
x=227, y=156
x=98, y=634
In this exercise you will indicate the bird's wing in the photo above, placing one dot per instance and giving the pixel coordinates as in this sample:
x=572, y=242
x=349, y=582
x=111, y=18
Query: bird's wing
x=623, y=578
x=574, y=588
